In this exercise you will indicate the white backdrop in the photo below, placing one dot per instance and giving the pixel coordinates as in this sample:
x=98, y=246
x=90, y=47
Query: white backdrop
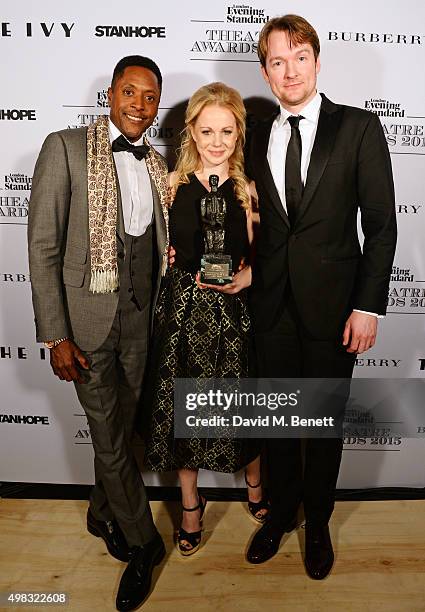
x=56, y=64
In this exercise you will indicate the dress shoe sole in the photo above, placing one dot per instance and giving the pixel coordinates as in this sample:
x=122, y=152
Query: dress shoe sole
x=97, y=534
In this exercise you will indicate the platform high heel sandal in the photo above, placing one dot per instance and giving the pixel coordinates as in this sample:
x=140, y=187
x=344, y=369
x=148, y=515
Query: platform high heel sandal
x=256, y=507
x=193, y=538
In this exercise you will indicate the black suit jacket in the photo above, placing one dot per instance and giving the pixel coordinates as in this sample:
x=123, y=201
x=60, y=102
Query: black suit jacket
x=350, y=169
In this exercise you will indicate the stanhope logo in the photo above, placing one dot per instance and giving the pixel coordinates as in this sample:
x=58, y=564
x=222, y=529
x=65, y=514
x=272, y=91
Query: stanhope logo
x=17, y=114
x=130, y=31
x=24, y=419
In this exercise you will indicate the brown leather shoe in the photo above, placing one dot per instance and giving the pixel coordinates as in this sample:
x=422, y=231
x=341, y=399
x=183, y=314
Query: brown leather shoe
x=319, y=554
x=265, y=543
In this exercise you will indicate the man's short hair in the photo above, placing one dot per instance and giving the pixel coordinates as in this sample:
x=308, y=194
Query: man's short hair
x=136, y=60
x=298, y=30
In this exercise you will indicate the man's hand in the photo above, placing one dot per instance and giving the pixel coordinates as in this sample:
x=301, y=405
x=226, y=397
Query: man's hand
x=65, y=358
x=360, y=332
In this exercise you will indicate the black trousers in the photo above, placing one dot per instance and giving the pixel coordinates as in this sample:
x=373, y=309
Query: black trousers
x=301, y=470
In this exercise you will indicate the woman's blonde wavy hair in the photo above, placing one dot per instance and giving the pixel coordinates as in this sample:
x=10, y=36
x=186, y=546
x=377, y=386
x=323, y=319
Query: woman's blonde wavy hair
x=188, y=157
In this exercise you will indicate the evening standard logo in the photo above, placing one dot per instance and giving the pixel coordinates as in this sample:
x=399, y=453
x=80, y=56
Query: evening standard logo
x=242, y=13
x=386, y=38
x=24, y=419
x=129, y=31
x=384, y=108
x=406, y=292
x=17, y=114
x=361, y=430
x=15, y=188
x=403, y=134
x=84, y=115
x=102, y=99
x=16, y=181
x=211, y=42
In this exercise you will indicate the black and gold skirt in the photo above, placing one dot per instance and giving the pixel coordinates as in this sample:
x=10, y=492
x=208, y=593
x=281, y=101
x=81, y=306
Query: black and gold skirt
x=198, y=333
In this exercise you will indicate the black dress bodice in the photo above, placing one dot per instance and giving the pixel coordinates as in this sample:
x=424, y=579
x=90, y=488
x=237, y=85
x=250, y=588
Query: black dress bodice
x=186, y=229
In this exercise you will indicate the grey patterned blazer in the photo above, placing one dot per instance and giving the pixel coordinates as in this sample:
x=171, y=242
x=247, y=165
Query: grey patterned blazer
x=58, y=244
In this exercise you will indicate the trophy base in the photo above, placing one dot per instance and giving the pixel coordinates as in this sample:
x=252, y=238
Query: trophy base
x=216, y=269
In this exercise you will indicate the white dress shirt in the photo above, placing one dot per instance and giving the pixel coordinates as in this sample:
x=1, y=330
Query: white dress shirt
x=135, y=187
x=278, y=144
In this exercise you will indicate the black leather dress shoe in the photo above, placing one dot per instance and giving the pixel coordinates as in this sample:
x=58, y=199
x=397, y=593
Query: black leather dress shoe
x=319, y=554
x=136, y=581
x=265, y=543
x=111, y=533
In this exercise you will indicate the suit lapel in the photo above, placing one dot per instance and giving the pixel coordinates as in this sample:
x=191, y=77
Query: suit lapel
x=327, y=129
x=120, y=215
x=161, y=233
x=158, y=171
x=261, y=146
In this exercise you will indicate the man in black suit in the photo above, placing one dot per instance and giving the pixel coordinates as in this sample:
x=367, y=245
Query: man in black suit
x=316, y=295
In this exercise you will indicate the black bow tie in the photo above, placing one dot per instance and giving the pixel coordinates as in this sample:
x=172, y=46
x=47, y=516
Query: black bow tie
x=122, y=144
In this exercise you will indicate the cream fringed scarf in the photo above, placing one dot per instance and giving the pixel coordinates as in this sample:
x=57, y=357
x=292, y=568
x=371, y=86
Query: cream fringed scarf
x=103, y=205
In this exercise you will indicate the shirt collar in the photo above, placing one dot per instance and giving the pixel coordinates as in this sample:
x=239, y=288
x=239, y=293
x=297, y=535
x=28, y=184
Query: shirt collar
x=310, y=112
x=114, y=133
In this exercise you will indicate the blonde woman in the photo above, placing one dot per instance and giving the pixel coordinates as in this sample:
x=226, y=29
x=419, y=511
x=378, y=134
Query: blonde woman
x=201, y=331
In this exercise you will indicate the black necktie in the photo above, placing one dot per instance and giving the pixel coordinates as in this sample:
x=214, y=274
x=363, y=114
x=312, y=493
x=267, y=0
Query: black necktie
x=293, y=182
x=122, y=144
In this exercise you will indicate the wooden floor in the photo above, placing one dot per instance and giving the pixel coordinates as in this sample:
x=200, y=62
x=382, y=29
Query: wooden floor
x=379, y=549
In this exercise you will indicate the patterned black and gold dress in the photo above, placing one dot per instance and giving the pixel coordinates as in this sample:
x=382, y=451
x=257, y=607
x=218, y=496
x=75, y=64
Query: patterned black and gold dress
x=198, y=333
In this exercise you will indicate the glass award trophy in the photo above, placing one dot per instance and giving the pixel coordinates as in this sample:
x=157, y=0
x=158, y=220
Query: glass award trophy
x=216, y=266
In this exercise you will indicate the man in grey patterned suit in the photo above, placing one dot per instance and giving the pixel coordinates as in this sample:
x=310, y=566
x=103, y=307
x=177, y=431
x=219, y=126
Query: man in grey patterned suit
x=97, y=234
